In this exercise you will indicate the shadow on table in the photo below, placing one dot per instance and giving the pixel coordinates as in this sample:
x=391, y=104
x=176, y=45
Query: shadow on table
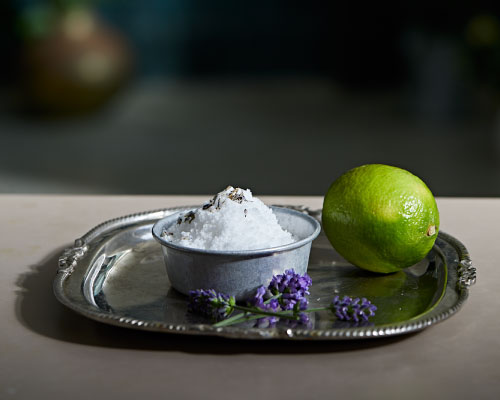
x=38, y=310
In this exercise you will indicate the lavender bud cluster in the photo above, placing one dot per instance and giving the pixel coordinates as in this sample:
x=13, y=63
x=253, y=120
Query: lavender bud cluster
x=293, y=289
x=210, y=303
x=349, y=309
x=259, y=301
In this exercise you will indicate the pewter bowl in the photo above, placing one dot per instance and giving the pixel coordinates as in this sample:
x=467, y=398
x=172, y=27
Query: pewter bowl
x=238, y=273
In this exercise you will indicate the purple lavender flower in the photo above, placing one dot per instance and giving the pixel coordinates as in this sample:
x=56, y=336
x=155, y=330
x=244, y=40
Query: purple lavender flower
x=258, y=299
x=349, y=309
x=303, y=321
x=293, y=288
x=272, y=305
x=300, y=305
x=216, y=306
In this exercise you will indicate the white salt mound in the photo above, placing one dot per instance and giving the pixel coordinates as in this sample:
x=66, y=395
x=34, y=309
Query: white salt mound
x=232, y=220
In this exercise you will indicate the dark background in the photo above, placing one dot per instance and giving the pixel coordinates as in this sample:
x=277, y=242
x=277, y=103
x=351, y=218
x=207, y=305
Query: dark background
x=278, y=96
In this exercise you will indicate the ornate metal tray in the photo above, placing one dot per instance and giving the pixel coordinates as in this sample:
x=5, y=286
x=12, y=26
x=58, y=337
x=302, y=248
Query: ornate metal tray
x=115, y=274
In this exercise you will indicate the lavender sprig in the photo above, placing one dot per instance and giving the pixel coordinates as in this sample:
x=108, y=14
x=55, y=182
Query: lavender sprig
x=219, y=306
x=286, y=292
x=349, y=309
x=212, y=304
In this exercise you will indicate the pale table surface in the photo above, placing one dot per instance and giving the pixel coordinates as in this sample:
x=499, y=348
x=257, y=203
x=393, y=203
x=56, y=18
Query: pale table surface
x=47, y=351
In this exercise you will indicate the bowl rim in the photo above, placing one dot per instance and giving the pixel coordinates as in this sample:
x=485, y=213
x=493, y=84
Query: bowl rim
x=240, y=253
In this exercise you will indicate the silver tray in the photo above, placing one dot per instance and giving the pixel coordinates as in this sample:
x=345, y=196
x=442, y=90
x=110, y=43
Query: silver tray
x=115, y=274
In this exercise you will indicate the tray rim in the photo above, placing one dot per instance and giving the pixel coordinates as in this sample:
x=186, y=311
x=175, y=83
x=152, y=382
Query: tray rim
x=69, y=260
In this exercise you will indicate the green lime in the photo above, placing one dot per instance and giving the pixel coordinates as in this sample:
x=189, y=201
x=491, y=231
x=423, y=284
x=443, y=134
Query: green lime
x=380, y=218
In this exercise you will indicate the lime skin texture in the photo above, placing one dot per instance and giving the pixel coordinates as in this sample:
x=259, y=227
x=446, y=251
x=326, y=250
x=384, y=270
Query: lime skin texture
x=380, y=218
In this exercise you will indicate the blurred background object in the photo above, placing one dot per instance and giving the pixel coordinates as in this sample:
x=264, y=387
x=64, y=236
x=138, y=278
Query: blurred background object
x=71, y=61
x=176, y=96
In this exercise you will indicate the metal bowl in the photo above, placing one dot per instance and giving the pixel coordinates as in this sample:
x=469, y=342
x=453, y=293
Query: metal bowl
x=238, y=273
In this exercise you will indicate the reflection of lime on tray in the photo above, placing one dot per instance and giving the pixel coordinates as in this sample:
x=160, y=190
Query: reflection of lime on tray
x=402, y=295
